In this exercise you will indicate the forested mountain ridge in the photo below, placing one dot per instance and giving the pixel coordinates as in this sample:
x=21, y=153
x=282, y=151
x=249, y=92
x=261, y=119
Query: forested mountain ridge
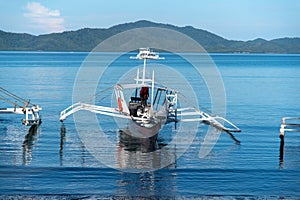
x=86, y=39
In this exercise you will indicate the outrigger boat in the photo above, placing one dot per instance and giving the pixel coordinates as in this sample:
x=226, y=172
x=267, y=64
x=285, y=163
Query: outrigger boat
x=146, y=119
x=20, y=106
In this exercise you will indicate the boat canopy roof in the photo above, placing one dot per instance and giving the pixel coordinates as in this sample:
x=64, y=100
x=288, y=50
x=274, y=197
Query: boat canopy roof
x=146, y=53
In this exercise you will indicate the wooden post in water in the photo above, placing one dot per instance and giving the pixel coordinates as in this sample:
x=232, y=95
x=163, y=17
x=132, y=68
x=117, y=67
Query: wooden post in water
x=281, y=136
x=281, y=150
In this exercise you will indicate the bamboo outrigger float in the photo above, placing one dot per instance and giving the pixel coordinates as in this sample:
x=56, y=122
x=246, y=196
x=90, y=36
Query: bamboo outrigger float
x=20, y=106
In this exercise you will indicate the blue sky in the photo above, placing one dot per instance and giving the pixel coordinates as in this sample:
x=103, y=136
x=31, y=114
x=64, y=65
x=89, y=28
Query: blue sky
x=231, y=19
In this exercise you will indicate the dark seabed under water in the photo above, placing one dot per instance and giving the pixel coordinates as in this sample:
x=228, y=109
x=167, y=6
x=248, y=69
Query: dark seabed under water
x=260, y=90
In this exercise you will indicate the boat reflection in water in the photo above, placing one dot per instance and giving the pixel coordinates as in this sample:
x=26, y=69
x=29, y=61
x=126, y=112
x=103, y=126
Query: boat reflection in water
x=29, y=142
x=61, y=143
x=130, y=143
x=144, y=154
x=160, y=184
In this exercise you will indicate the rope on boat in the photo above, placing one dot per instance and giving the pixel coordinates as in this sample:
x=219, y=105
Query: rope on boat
x=18, y=101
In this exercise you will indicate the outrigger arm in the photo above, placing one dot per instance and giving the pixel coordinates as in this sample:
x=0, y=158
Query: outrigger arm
x=191, y=114
x=113, y=112
x=215, y=121
x=194, y=115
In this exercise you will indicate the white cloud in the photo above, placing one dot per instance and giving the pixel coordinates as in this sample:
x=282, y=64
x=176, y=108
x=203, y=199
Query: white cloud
x=43, y=19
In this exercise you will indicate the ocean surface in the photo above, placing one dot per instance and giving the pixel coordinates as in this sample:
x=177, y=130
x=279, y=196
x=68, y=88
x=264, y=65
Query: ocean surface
x=53, y=161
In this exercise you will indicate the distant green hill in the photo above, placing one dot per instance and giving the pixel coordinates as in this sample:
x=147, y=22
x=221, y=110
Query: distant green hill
x=86, y=39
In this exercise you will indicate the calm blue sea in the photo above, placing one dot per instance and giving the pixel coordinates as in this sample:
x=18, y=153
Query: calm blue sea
x=260, y=90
